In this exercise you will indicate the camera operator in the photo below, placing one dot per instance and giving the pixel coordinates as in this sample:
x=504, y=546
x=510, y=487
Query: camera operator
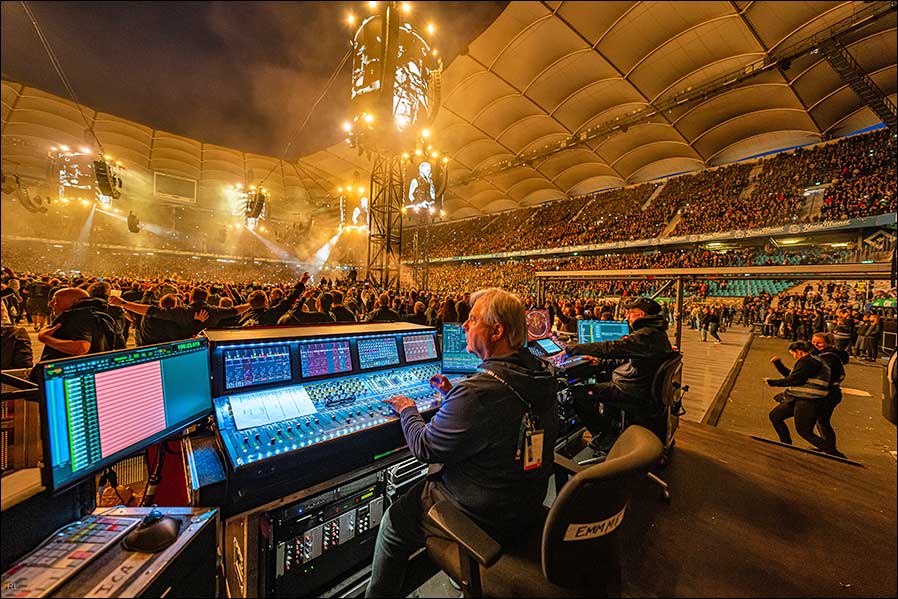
x=645, y=348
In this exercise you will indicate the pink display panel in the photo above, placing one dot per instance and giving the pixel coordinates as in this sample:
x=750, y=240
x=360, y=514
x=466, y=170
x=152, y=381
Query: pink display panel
x=129, y=405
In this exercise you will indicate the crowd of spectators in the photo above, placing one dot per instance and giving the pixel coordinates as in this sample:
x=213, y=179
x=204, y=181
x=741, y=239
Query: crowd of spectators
x=858, y=174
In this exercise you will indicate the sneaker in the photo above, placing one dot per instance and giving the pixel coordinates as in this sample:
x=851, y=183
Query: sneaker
x=718, y=342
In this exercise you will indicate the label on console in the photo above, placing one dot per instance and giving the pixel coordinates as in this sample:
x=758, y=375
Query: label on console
x=266, y=407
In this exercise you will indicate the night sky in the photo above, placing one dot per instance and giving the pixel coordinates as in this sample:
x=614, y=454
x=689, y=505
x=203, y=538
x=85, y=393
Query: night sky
x=236, y=74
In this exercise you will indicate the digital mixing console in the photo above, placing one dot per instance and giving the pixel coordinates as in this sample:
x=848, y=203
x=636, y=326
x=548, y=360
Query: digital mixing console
x=295, y=406
x=258, y=425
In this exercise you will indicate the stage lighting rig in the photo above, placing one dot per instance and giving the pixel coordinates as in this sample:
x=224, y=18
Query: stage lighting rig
x=72, y=169
x=395, y=80
x=249, y=203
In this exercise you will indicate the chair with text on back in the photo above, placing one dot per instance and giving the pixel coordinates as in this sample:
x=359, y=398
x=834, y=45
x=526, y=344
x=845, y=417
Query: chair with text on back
x=574, y=554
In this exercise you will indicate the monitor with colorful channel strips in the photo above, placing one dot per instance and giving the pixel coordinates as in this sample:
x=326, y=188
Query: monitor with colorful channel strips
x=456, y=358
x=101, y=408
x=419, y=347
x=377, y=352
x=594, y=331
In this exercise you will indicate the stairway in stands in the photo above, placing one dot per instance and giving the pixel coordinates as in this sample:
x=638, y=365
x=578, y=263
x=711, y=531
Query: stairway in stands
x=654, y=195
x=669, y=227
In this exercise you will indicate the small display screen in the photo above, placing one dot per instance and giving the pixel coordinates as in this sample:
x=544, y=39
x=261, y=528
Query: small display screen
x=246, y=367
x=456, y=358
x=594, y=331
x=378, y=352
x=324, y=357
x=549, y=346
x=419, y=347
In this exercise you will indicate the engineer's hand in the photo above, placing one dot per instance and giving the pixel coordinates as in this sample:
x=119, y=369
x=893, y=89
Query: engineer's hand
x=440, y=383
x=399, y=403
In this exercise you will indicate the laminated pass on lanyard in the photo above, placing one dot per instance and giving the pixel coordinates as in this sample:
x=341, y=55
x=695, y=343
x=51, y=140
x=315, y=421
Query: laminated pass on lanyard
x=530, y=438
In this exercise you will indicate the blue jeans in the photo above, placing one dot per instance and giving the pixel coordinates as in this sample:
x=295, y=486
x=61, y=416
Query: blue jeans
x=403, y=530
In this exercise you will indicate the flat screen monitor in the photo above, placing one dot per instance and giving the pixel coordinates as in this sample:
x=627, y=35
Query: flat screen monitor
x=593, y=331
x=456, y=358
x=258, y=365
x=377, y=352
x=418, y=348
x=101, y=408
x=324, y=358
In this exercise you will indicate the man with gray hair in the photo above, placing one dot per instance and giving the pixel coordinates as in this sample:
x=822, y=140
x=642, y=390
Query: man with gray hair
x=492, y=437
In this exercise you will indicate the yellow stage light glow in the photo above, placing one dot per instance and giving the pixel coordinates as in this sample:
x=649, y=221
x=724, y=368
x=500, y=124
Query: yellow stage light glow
x=369, y=118
x=372, y=5
x=361, y=190
x=347, y=126
x=425, y=133
x=406, y=7
x=339, y=190
x=350, y=19
x=431, y=29
x=418, y=152
x=434, y=154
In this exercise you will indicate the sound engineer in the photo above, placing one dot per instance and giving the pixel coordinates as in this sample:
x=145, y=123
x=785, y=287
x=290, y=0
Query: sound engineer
x=645, y=348
x=493, y=437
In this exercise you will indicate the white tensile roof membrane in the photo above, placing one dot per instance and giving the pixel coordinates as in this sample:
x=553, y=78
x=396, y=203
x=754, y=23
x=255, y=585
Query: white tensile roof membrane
x=544, y=71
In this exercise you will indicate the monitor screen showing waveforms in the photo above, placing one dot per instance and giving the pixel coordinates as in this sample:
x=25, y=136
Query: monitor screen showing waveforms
x=324, y=358
x=456, y=358
x=102, y=408
x=377, y=352
x=594, y=331
x=250, y=366
x=419, y=347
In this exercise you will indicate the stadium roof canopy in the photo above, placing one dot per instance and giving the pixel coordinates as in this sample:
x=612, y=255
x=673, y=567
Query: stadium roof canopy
x=694, y=84
x=552, y=100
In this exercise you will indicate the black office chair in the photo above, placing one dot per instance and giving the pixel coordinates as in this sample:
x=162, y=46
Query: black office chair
x=661, y=414
x=575, y=554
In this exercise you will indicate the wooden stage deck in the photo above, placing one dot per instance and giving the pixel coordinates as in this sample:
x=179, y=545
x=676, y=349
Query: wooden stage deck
x=751, y=518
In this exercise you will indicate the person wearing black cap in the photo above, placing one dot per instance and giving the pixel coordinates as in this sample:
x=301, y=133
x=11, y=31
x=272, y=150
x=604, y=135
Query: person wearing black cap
x=645, y=348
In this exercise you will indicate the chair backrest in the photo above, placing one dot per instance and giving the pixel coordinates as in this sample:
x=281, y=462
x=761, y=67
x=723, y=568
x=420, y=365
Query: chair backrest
x=580, y=547
x=670, y=371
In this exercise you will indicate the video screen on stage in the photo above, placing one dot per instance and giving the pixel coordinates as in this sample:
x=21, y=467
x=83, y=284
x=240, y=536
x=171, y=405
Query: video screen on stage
x=102, y=408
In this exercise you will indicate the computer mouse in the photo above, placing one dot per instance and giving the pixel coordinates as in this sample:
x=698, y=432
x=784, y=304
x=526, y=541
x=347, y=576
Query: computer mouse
x=152, y=535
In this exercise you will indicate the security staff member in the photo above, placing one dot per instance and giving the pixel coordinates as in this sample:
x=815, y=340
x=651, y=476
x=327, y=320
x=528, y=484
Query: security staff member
x=836, y=359
x=645, y=348
x=486, y=435
x=807, y=386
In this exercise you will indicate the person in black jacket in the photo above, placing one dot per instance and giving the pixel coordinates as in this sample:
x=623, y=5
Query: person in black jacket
x=80, y=326
x=645, y=349
x=417, y=316
x=807, y=386
x=263, y=314
x=16, y=344
x=383, y=313
x=487, y=471
x=185, y=317
x=824, y=344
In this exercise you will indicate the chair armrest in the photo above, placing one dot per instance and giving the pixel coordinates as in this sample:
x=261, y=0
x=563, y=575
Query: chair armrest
x=462, y=530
